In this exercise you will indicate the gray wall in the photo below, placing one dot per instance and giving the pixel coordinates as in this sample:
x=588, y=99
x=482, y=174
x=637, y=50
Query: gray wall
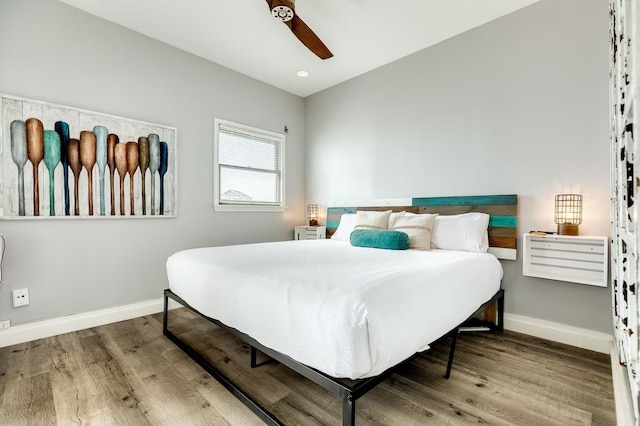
x=55, y=53
x=519, y=105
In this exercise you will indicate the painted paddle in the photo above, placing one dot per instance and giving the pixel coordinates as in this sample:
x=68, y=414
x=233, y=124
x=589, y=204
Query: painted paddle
x=62, y=129
x=101, y=159
x=143, y=159
x=19, y=156
x=112, y=140
x=73, y=156
x=164, y=165
x=35, y=154
x=52, y=147
x=88, y=160
x=120, y=154
x=132, y=165
x=154, y=165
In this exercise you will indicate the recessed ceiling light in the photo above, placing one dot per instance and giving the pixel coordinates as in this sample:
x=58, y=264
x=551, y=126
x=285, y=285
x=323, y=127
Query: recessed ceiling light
x=303, y=73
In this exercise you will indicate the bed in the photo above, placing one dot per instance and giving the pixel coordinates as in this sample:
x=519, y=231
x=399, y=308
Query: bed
x=377, y=308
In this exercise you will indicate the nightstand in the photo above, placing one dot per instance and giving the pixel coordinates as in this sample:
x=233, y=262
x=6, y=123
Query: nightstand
x=310, y=233
x=579, y=259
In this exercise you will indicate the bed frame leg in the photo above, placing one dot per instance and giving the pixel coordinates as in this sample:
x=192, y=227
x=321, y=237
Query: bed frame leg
x=454, y=339
x=348, y=410
x=165, y=317
x=500, y=302
x=254, y=355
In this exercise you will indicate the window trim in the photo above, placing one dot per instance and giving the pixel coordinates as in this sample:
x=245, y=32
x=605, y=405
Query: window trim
x=244, y=206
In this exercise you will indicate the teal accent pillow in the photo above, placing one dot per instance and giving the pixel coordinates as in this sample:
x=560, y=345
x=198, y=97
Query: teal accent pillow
x=380, y=238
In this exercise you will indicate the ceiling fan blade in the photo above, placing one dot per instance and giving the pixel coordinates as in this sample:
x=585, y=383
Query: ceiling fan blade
x=308, y=37
x=283, y=10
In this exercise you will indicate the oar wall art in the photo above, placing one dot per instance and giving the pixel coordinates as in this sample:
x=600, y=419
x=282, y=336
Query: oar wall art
x=55, y=159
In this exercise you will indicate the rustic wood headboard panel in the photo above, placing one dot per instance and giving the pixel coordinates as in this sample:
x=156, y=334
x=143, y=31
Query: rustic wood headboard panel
x=503, y=211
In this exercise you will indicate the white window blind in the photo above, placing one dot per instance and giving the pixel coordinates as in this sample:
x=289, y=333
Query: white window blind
x=249, y=168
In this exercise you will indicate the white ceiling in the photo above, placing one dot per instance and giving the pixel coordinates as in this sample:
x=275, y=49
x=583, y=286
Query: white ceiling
x=242, y=35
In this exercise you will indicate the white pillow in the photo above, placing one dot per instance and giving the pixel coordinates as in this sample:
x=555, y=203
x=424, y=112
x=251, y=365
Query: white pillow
x=418, y=227
x=392, y=218
x=346, y=225
x=466, y=232
x=366, y=219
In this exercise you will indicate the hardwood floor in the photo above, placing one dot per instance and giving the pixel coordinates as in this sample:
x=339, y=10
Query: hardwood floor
x=128, y=373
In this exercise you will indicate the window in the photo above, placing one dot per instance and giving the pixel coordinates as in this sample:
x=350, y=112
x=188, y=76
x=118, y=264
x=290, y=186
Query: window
x=248, y=168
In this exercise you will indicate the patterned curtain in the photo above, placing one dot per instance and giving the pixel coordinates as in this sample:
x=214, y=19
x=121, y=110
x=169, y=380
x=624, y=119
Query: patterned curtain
x=625, y=105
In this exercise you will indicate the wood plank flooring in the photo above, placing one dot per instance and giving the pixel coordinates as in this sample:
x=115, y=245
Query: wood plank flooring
x=128, y=373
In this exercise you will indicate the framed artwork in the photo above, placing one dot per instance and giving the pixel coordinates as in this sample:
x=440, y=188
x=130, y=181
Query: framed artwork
x=63, y=162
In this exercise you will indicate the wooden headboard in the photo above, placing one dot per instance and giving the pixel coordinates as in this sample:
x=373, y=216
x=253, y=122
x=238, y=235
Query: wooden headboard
x=503, y=211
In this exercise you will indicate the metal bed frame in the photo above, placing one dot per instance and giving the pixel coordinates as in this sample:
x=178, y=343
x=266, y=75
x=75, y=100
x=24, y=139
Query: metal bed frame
x=348, y=392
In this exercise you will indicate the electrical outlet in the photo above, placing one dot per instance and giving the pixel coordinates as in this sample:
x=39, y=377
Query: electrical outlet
x=5, y=324
x=20, y=297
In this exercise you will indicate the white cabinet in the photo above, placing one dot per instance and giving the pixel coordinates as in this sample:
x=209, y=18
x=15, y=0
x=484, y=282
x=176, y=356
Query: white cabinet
x=310, y=232
x=579, y=259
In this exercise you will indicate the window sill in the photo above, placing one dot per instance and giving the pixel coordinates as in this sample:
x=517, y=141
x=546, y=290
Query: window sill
x=247, y=208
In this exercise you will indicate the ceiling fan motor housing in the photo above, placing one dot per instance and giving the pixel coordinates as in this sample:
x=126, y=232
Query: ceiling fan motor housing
x=283, y=10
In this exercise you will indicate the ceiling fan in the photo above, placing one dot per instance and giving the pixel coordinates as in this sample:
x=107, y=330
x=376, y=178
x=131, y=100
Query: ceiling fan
x=283, y=10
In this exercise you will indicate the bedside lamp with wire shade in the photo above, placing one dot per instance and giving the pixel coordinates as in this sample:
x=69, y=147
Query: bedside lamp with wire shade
x=568, y=213
x=312, y=214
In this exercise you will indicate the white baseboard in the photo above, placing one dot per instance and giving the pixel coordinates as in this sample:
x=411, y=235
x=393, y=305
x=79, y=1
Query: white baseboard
x=66, y=324
x=574, y=336
x=621, y=390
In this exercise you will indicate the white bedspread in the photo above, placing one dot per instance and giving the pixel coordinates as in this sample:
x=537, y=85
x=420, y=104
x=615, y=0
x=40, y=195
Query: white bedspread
x=347, y=311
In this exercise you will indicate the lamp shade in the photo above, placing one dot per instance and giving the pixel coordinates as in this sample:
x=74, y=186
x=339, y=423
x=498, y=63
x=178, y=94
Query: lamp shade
x=568, y=213
x=312, y=214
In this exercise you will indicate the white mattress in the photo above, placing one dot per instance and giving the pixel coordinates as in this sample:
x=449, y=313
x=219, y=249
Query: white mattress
x=347, y=311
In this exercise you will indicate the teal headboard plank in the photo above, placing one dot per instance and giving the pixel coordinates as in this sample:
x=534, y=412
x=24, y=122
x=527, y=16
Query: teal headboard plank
x=471, y=200
x=503, y=221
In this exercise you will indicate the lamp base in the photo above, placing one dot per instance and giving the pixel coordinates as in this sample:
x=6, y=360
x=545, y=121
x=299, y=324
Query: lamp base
x=567, y=229
x=313, y=222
